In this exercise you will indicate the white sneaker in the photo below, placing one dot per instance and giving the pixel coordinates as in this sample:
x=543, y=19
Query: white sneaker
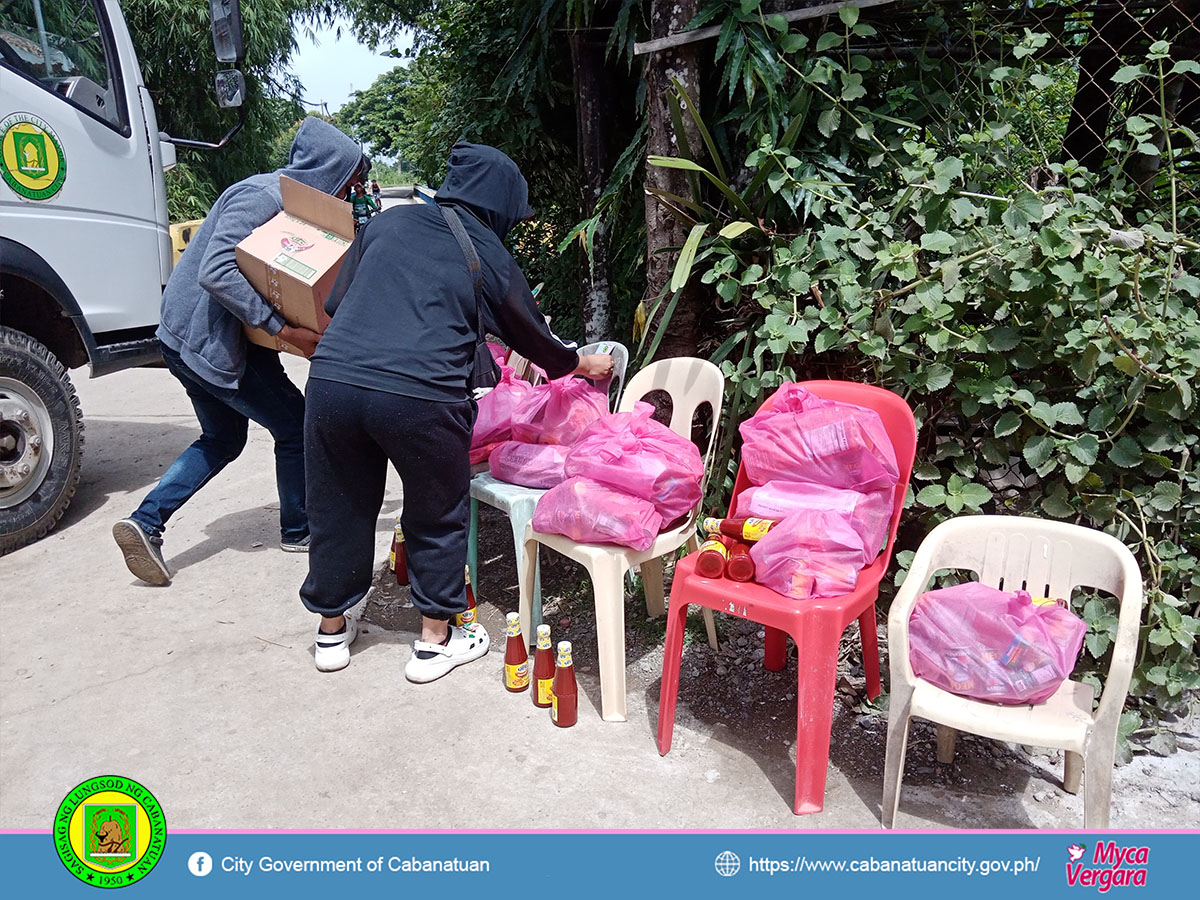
x=333, y=650
x=431, y=661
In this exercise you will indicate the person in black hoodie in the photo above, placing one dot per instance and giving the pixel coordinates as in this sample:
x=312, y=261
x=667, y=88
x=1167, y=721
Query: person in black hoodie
x=390, y=381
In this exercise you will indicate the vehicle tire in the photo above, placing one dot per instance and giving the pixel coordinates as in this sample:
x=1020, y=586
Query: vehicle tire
x=41, y=440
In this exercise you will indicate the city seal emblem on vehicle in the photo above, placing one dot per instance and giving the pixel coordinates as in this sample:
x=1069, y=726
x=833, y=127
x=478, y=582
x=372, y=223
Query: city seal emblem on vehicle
x=32, y=161
x=109, y=831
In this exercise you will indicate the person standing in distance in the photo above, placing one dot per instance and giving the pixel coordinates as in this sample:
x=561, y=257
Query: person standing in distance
x=229, y=380
x=390, y=382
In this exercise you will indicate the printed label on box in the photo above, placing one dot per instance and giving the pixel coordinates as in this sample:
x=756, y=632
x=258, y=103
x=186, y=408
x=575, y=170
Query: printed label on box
x=294, y=266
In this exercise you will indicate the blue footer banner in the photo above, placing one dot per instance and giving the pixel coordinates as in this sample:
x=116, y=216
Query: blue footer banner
x=115, y=846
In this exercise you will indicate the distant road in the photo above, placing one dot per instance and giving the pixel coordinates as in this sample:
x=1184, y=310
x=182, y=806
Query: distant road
x=398, y=196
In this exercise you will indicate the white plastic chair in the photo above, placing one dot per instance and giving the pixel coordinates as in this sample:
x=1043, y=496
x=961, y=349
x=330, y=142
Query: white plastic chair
x=518, y=502
x=1047, y=559
x=690, y=383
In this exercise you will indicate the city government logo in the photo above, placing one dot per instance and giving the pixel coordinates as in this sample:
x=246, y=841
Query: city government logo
x=32, y=161
x=109, y=831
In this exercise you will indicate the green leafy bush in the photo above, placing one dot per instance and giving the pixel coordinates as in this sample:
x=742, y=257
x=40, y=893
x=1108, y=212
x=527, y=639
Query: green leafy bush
x=1043, y=326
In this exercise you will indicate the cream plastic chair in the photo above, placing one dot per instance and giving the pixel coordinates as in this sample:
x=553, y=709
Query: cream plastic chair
x=1047, y=559
x=517, y=502
x=691, y=383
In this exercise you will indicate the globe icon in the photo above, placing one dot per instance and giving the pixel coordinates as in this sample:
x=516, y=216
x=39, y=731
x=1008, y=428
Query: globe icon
x=727, y=863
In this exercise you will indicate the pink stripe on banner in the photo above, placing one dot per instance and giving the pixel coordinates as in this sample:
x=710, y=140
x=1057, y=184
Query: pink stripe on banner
x=709, y=831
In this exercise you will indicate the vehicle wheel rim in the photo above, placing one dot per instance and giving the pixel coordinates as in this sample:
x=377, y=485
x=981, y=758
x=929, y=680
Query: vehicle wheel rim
x=26, y=442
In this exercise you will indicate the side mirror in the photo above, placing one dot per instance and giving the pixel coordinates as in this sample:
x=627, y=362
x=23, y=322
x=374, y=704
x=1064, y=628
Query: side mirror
x=227, y=31
x=167, y=149
x=231, y=88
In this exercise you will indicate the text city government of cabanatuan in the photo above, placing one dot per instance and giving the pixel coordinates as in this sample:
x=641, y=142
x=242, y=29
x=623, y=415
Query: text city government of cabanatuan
x=270, y=865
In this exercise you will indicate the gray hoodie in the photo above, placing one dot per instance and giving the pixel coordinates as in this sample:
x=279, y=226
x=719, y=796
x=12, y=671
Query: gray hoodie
x=207, y=298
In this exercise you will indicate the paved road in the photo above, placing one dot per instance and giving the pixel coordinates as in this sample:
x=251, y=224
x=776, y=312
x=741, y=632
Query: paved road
x=205, y=691
x=398, y=196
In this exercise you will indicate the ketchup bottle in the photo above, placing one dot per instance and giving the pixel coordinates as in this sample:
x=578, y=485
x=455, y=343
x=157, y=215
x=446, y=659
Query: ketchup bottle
x=713, y=555
x=398, y=559
x=565, y=702
x=748, y=530
x=740, y=566
x=516, y=657
x=468, y=615
x=543, y=669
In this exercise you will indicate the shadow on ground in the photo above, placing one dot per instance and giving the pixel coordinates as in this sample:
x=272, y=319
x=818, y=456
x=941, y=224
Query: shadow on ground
x=730, y=698
x=124, y=456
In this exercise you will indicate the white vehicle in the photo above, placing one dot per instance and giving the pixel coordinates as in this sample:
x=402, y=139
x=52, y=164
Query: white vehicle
x=84, y=242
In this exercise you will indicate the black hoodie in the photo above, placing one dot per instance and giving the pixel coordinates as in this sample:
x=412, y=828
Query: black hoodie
x=403, y=305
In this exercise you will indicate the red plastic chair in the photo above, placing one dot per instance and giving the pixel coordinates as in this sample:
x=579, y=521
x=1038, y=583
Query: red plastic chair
x=816, y=626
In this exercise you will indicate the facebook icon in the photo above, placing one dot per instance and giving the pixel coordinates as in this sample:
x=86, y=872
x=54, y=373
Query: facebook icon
x=200, y=864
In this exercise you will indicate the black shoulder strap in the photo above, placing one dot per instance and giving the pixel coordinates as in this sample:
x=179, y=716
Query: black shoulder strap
x=468, y=249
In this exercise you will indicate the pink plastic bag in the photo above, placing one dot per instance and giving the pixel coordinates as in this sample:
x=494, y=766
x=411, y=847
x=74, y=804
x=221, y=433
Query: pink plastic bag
x=499, y=353
x=811, y=553
x=867, y=514
x=493, y=420
x=635, y=454
x=980, y=642
x=530, y=465
x=481, y=453
x=592, y=513
x=806, y=438
x=557, y=412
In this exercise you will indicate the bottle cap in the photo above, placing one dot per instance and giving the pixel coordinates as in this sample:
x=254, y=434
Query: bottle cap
x=467, y=573
x=512, y=626
x=543, y=637
x=564, y=653
x=710, y=525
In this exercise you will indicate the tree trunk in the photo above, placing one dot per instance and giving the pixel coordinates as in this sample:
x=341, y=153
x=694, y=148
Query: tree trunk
x=1113, y=27
x=1175, y=23
x=663, y=230
x=594, y=115
x=1143, y=167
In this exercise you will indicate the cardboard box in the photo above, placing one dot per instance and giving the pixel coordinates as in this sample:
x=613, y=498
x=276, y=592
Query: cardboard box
x=293, y=259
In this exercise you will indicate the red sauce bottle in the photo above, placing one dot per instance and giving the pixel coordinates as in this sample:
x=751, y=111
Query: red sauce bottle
x=565, y=703
x=740, y=566
x=398, y=559
x=713, y=555
x=745, y=529
x=543, y=669
x=467, y=616
x=516, y=657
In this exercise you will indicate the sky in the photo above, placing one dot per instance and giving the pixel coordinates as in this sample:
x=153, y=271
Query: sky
x=332, y=68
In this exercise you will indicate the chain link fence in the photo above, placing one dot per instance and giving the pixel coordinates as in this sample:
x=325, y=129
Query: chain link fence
x=1112, y=84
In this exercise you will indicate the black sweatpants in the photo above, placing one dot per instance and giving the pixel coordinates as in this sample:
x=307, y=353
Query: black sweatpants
x=350, y=434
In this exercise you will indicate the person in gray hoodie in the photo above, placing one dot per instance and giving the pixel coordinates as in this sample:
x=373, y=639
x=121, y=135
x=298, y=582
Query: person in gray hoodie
x=228, y=379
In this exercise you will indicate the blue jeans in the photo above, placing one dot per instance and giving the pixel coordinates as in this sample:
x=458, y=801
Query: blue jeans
x=266, y=395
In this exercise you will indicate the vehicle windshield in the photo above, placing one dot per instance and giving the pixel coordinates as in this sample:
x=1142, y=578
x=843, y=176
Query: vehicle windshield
x=58, y=44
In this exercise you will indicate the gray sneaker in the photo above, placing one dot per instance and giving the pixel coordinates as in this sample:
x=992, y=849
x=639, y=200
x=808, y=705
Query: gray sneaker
x=142, y=555
x=300, y=546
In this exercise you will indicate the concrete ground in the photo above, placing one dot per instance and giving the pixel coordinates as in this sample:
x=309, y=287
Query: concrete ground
x=205, y=692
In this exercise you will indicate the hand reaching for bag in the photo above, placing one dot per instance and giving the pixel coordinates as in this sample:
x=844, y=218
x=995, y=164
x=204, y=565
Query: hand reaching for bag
x=596, y=366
